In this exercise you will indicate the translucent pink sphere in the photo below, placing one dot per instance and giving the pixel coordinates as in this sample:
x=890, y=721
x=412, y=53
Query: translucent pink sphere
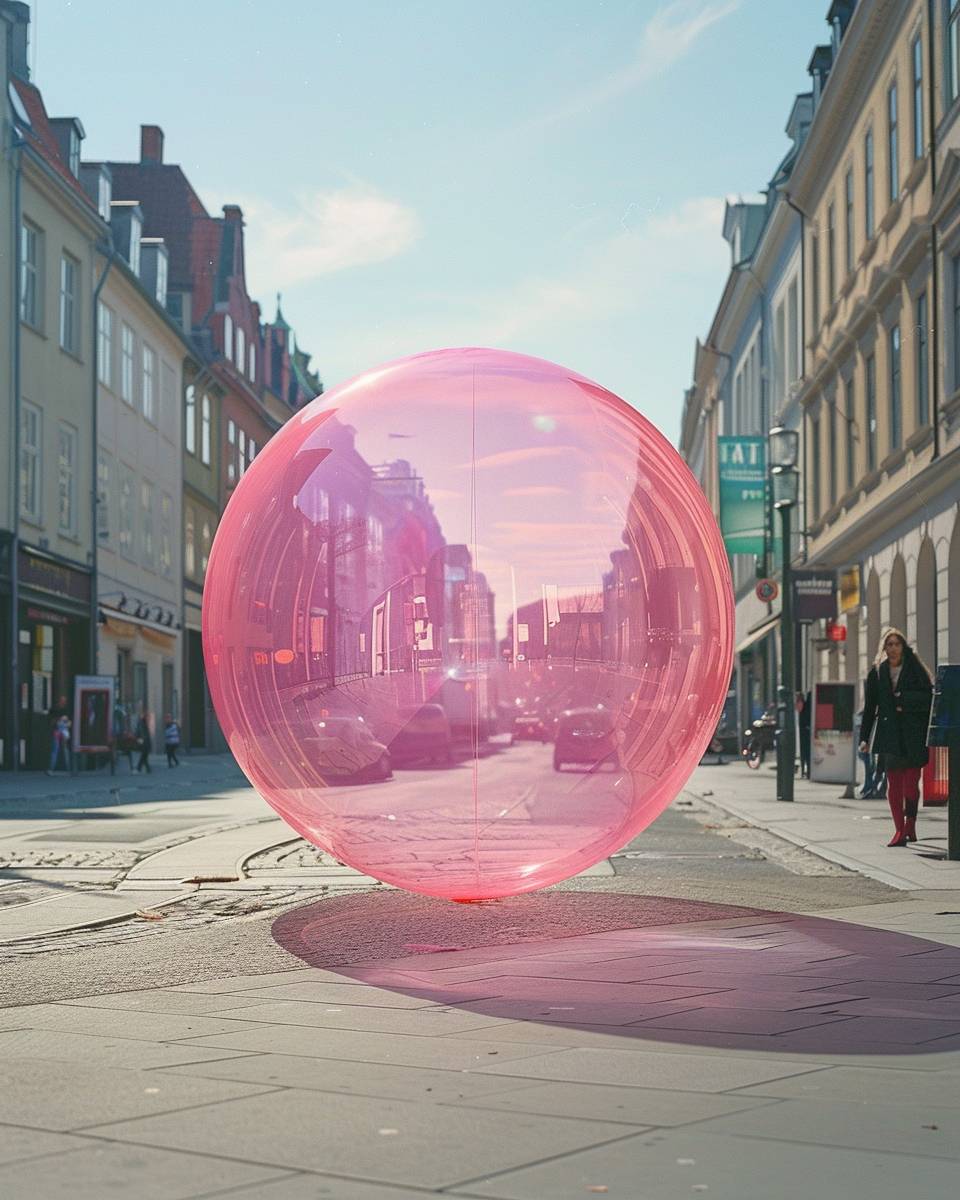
x=468, y=623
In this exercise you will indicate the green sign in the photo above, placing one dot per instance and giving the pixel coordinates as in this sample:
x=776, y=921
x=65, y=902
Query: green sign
x=743, y=490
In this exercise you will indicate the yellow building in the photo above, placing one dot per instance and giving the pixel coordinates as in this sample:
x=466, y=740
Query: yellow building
x=882, y=482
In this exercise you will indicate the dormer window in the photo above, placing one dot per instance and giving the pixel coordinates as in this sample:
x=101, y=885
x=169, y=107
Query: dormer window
x=162, y=280
x=136, y=229
x=74, y=154
x=104, y=196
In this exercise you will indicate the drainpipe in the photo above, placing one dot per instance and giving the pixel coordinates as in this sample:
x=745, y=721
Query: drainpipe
x=934, y=309
x=14, y=724
x=110, y=251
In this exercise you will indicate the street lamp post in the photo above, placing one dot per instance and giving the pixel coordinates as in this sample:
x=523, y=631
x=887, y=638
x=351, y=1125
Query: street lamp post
x=783, y=445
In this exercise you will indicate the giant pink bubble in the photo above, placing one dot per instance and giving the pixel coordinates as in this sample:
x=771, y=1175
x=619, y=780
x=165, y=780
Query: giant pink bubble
x=468, y=623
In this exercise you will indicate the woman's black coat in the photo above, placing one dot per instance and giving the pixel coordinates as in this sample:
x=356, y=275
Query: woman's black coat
x=900, y=717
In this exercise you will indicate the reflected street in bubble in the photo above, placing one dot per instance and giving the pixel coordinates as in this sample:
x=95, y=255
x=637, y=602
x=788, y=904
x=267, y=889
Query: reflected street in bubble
x=482, y=667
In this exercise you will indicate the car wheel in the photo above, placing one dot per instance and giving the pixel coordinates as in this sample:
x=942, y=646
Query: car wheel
x=557, y=763
x=384, y=767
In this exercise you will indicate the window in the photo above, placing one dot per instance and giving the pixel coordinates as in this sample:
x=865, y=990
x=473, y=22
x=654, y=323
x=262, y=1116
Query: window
x=69, y=304
x=916, y=56
x=252, y=362
x=168, y=408
x=31, y=274
x=868, y=184
x=67, y=480
x=871, y=413
x=831, y=255
x=166, y=534
x=205, y=430
x=896, y=410
x=104, y=344
x=189, y=545
x=162, y=280
x=953, y=48
x=242, y=452
x=815, y=456
x=190, y=419
x=231, y=452
x=136, y=231
x=103, y=496
x=793, y=333
x=848, y=232
x=147, y=546
x=104, y=196
x=815, y=282
x=73, y=153
x=893, y=145
x=832, y=450
x=31, y=435
x=228, y=336
x=251, y=451
x=241, y=350
x=148, y=383
x=205, y=539
x=956, y=321
x=851, y=416
x=128, y=517
x=923, y=365
x=126, y=363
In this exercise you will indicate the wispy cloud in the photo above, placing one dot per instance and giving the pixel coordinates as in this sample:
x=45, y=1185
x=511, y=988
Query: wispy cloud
x=321, y=232
x=668, y=36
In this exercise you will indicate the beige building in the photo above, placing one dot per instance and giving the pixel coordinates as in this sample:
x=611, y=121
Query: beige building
x=141, y=359
x=48, y=558
x=881, y=285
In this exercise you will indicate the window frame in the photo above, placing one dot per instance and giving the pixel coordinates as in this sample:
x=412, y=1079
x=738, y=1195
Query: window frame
x=33, y=451
x=850, y=230
x=69, y=305
x=31, y=275
x=870, y=367
x=147, y=540
x=916, y=67
x=129, y=501
x=205, y=421
x=869, y=200
x=148, y=383
x=893, y=143
x=923, y=360
x=190, y=419
x=104, y=494
x=67, y=434
x=895, y=364
x=127, y=372
x=831, y=253
x=105, y=316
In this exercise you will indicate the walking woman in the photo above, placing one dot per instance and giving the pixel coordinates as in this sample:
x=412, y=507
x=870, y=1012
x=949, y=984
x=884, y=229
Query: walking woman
x=144, y=742
x=897, y=694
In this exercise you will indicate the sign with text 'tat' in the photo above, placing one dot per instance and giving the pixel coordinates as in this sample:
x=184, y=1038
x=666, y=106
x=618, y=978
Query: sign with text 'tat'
x=743, y=478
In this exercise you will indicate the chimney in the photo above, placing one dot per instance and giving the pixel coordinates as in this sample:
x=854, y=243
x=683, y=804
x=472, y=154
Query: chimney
x=151, y=144
x=232, y=212
x=19, y=17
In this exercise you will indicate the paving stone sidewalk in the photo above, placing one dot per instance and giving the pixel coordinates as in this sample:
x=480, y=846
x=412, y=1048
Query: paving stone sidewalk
x=691, y=1056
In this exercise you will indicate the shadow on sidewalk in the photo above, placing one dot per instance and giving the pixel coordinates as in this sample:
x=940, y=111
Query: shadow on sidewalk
x=662, y=970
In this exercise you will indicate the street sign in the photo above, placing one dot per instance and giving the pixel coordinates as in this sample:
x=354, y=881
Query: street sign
x=814, y=595
x=767, y=590
x=836, y=632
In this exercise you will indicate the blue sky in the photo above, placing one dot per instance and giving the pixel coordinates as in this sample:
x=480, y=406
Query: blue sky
x=541, y=175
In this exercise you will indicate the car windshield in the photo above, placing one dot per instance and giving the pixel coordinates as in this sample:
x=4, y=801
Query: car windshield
x=346, y=729
x=591, y=722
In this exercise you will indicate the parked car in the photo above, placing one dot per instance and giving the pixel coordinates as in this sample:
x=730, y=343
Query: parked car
x=530, y=727
x=584, y=735
x=425, y=734
x=344, y=748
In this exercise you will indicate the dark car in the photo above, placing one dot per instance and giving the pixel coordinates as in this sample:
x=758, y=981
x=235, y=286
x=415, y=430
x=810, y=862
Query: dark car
x=585, y=736
x=424, y=734
x=530, y=727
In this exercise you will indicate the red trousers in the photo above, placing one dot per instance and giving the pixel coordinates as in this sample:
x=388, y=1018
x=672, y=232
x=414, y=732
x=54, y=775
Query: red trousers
x=904, y=786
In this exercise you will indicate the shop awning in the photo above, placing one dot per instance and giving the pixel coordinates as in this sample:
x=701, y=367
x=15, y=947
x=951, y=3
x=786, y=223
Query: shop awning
x=758, y=632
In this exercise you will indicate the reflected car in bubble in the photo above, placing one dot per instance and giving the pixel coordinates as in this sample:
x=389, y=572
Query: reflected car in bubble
x=423, y=737
x=585, y=737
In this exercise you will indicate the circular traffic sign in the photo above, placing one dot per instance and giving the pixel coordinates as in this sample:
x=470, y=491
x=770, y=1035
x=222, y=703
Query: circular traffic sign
x=767, y=590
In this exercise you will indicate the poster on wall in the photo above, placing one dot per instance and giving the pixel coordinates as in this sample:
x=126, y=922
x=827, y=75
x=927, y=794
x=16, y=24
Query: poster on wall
x=743, y=484
x=833, y=752
x=92, y=712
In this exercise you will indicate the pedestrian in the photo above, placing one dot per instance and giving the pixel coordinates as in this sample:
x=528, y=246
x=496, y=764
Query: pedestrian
x=803, y=703
x=898, y=693
x=171, y=740
x=59, y=735
x=144, y=742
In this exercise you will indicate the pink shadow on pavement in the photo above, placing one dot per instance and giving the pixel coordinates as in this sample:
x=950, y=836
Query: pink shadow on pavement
x=646, y=967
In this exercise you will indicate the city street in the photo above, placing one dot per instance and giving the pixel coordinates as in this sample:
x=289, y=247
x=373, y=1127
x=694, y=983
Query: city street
x=714, y=989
